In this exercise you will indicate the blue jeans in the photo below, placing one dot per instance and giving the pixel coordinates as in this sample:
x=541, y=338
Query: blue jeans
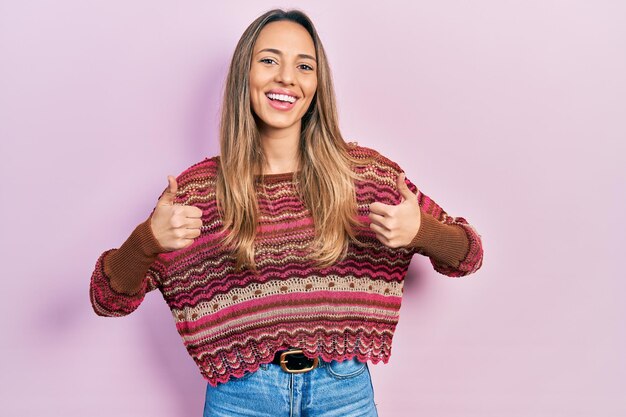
x=332, y=389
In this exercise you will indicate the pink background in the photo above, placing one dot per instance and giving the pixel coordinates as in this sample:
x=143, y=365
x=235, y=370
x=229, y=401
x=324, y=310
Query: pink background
x=509, y=113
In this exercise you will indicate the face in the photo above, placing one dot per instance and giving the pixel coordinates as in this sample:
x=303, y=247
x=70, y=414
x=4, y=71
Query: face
x=283, y=76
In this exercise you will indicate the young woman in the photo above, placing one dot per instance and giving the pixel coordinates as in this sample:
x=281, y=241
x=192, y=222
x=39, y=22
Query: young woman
x=283, y=258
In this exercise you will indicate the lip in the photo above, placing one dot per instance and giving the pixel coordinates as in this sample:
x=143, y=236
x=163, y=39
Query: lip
x=281, y=105
x=282, y=91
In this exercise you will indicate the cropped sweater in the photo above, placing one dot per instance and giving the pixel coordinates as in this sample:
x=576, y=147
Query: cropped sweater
x=233, y=321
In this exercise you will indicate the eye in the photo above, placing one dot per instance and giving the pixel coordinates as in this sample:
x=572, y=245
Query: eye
x=306, y=67
x=267, y=61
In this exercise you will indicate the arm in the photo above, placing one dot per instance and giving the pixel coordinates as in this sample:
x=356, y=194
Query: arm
x=123, y=276
x=452, y=244
x=417, y=222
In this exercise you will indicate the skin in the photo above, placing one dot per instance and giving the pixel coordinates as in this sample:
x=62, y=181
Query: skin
x=174, y=226
x=396, y=225
x=283, y=57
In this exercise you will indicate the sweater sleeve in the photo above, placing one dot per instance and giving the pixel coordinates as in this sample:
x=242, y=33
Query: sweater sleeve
x=452, y=244
x=123, y=276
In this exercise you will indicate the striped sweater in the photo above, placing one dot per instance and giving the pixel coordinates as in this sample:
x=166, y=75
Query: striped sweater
x=232, y=321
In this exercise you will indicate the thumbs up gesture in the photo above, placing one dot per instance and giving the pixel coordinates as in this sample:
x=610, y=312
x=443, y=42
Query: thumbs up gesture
x=396, y=226
x=174, y=226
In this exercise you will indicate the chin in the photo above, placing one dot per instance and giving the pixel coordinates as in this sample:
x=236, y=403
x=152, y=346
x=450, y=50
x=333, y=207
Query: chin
x=272, y=123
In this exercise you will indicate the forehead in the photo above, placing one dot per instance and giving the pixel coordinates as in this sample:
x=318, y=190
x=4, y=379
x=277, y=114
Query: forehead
x=286, y=36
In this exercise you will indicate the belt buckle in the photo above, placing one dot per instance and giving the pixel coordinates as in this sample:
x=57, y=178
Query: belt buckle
x=284, y=361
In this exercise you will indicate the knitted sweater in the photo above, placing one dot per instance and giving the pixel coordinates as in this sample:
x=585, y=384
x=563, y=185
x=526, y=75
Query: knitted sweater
x=233, y=321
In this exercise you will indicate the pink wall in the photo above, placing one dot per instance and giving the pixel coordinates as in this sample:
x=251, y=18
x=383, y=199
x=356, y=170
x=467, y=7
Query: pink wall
x=508, y=113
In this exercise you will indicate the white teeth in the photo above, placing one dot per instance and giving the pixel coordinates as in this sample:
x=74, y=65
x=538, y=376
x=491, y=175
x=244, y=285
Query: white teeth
x=281, y=97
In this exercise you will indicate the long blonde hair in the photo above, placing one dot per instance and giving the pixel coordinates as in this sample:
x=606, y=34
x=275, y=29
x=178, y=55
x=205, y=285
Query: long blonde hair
x=325, y=181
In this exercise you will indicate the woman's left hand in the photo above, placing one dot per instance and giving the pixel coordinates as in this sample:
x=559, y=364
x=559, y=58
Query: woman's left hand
x=396, y=226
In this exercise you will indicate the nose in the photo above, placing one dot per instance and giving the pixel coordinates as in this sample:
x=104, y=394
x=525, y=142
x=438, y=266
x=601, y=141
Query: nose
x=285, y=75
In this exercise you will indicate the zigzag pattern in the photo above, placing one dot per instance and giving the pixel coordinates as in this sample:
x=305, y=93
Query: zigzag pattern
x=232, y=322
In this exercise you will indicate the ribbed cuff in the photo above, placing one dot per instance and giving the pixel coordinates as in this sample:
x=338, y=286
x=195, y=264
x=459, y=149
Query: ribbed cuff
x=446, y=243
x=126, y=267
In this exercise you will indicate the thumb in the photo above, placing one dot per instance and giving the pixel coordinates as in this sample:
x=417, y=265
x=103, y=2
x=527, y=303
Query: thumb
x=167, y=198
x=405, y=192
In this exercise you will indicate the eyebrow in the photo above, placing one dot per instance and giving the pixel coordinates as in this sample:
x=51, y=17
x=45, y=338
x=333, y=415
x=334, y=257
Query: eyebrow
x=278, y=52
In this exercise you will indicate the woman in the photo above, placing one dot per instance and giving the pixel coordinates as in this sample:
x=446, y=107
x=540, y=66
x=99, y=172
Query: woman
x=283, y=258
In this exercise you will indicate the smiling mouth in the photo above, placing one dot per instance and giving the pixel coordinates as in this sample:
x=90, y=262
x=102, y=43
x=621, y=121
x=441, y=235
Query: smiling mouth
x=281, y=97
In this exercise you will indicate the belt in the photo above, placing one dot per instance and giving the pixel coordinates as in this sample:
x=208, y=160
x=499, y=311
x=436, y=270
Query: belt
x=293, y=361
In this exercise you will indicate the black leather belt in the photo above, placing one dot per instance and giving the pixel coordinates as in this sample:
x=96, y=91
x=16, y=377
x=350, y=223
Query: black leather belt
x=294, y=361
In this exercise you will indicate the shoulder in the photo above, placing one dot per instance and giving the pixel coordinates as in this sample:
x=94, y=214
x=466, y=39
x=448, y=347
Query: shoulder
x=198, y=179
x=208, y=167
x=371, y=160
x=377, y=176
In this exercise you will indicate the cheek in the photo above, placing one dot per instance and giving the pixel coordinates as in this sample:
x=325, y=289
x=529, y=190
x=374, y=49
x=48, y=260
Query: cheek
x=310, y=89
x=255, y=104
x=255, y=81
x=254, y=90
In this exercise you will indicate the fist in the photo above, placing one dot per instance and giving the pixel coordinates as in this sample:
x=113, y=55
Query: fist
x=174, y=226
x=396, y=226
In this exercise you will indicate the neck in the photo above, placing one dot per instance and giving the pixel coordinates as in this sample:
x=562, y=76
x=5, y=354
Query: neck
x=281, y=149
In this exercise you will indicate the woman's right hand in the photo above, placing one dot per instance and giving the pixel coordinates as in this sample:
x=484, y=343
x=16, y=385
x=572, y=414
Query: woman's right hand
x=174, y=226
